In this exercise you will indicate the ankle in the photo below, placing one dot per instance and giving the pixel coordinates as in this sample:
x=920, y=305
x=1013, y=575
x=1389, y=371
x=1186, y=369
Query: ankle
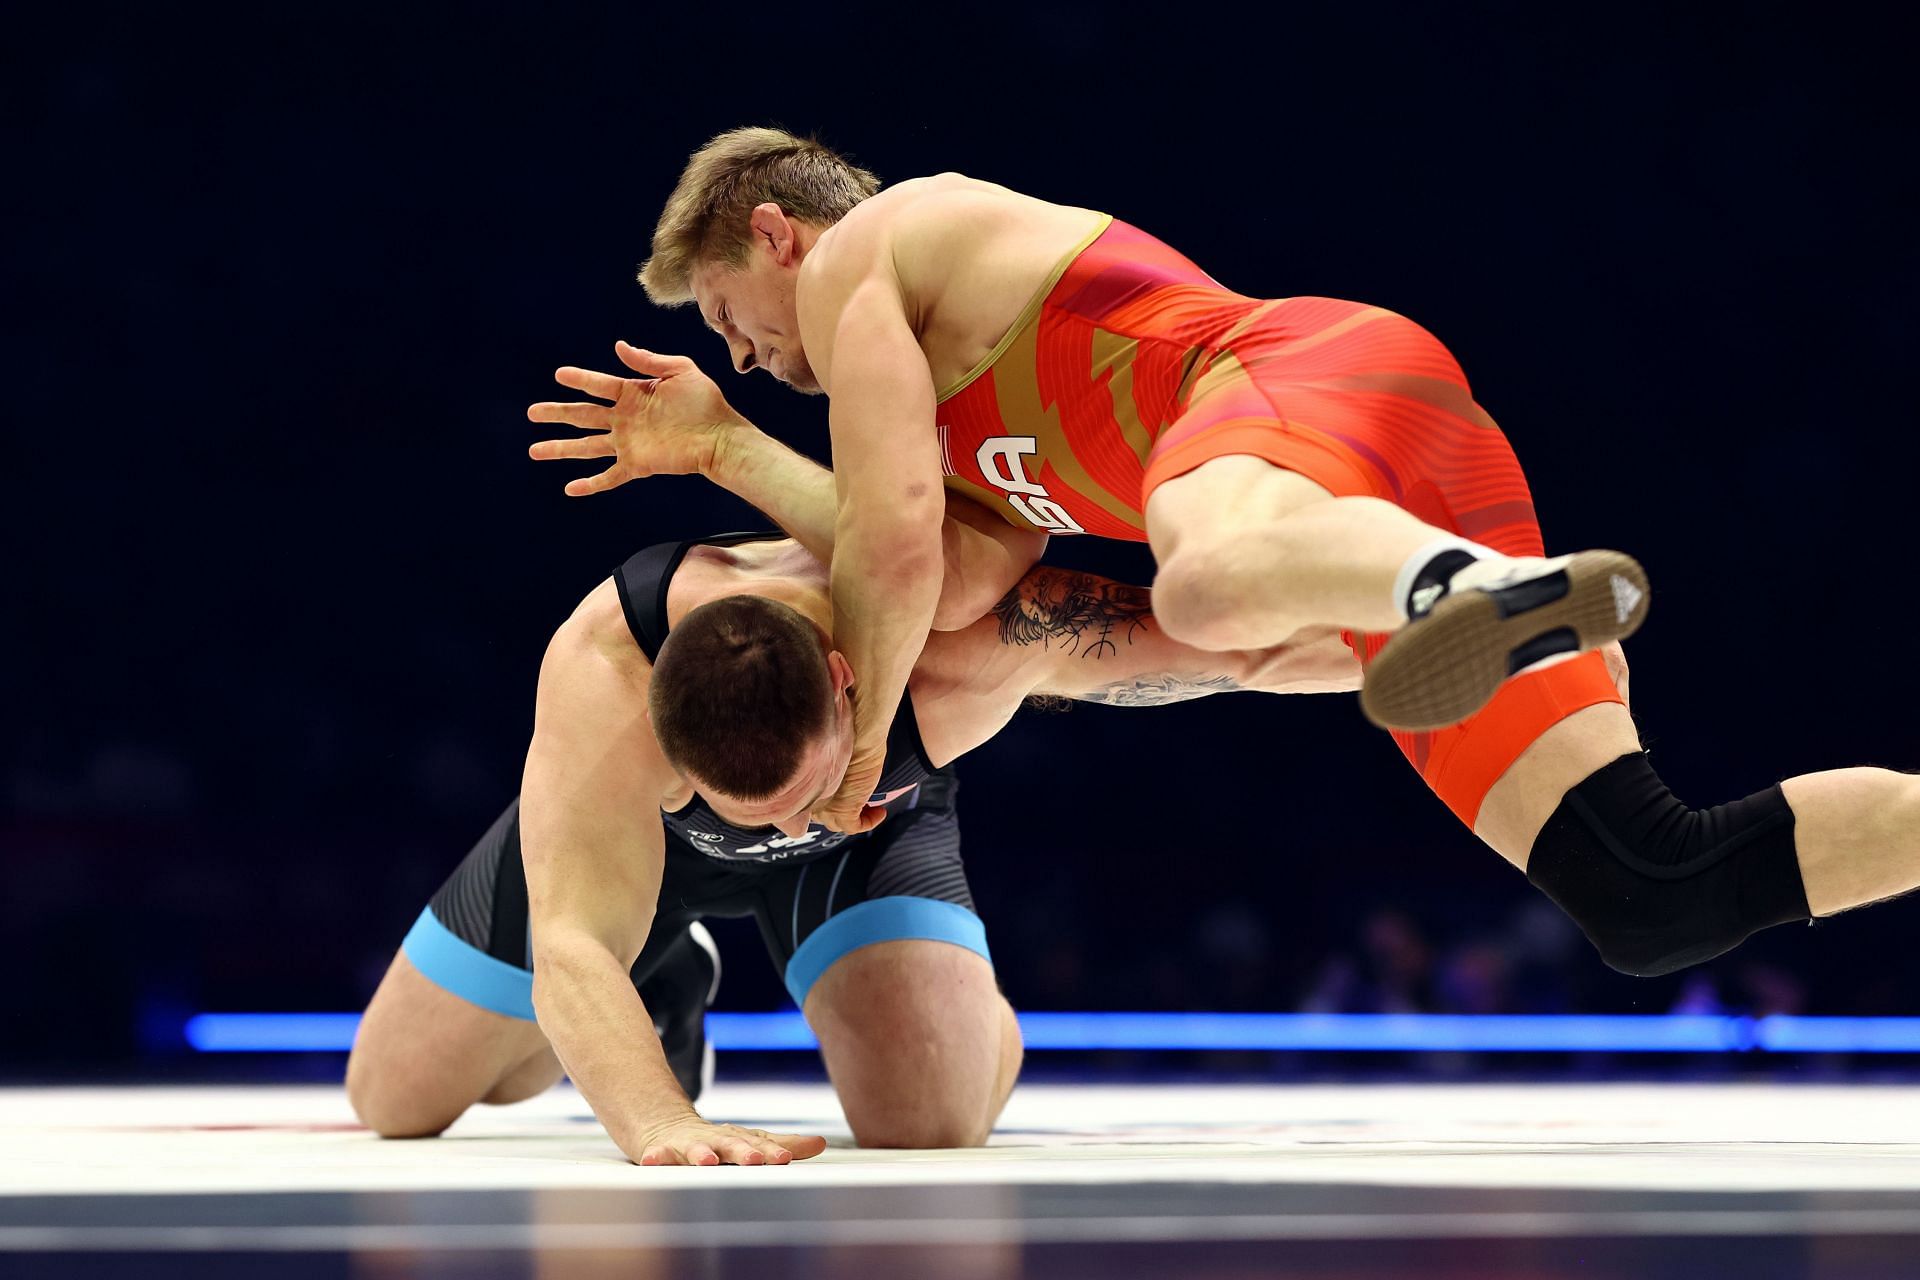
x=1428, y=573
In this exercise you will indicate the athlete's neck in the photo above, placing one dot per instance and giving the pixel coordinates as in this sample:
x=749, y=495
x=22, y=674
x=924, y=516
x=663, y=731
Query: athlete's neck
x=779, y=569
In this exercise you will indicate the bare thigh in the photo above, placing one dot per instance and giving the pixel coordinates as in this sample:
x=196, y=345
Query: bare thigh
x=1250, y=553
x=1558, y=760
x=424, y=1055
x=921, y=1046
x=1553, y=764
x=1223, y=499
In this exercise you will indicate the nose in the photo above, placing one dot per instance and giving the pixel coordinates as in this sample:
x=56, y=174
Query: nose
x=795, y=826
x=743, y=357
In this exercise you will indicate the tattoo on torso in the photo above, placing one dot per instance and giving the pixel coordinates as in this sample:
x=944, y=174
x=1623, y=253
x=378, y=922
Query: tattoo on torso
x=1083, y=612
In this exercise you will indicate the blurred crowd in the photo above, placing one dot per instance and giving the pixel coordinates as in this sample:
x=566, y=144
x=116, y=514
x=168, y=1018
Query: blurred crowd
x=129, y=908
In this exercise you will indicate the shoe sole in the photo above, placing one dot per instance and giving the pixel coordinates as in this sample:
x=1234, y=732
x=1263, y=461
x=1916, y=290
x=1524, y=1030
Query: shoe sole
x=1441, y=669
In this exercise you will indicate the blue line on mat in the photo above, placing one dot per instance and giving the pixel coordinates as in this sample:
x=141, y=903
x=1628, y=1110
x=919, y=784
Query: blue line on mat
x=1351, y=1032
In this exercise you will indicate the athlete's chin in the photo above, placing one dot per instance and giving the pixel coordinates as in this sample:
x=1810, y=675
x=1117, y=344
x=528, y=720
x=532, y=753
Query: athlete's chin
x=801, y=379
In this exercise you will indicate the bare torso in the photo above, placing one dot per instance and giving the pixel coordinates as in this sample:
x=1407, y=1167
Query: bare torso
x=970, y=256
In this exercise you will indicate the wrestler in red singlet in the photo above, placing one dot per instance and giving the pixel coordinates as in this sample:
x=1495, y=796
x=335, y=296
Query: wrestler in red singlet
x=1131, y=366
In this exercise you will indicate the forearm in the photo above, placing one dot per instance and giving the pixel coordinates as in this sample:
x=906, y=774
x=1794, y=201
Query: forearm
x=886, y=568
x=793, y=490
x=1313, y=660
x=982, y=556
x=886, y=577
x=604, y=1036
x=1320, y=667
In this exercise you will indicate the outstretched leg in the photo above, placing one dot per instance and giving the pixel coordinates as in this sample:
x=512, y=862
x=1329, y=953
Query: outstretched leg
x=1658, y=885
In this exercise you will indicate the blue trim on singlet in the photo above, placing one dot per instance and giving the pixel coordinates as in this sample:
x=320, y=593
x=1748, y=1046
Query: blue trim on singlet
x=456, y=966
x=882, y=920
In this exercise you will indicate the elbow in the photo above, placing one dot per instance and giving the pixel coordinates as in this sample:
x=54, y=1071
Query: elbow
x=898, y=552
x=570, y=961
x=909, y=525
x=545, y=995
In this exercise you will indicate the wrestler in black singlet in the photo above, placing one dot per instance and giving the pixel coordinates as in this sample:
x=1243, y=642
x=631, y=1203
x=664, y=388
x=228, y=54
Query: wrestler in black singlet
x=904, y=879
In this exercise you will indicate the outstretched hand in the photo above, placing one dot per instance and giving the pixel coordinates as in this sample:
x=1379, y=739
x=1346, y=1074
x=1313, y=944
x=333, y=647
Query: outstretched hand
x=670, y=421
x=696, y=1141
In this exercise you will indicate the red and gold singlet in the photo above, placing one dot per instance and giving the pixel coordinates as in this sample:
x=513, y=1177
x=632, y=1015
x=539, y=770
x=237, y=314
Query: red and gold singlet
x=1131, y=367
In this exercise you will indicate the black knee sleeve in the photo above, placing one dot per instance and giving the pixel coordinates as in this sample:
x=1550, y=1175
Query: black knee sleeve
x=1657, y=886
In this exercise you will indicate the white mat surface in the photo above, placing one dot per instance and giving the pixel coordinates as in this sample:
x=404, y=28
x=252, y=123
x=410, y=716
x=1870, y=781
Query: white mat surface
x=1678, y=1137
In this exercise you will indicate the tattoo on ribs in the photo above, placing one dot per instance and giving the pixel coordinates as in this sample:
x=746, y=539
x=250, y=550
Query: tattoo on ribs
x=1082, y=611
x=1156, y=690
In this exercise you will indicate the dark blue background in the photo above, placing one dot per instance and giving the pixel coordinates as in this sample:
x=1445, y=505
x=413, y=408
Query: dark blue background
x=279, y=288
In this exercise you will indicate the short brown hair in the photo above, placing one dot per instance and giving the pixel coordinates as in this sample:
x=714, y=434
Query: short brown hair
x=707, y=218
x=739, y=690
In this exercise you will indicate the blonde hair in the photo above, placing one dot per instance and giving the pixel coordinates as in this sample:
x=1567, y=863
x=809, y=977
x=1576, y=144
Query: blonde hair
x=708, y=216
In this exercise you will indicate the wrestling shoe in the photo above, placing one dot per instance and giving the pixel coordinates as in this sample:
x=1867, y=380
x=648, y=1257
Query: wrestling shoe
x=678, y=994
x=1493, y=619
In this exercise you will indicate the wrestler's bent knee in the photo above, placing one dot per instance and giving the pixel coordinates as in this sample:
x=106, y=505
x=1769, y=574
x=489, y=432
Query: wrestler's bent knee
x=1198, y=600
x=923, y=1132
x=389, y=1112
x=955, y=1116
x=1657, y=886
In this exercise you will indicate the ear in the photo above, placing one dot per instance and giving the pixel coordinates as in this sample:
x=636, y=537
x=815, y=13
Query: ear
x=771, y=225
x=840, y=670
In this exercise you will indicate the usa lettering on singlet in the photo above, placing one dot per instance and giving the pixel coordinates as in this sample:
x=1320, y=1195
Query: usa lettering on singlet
x=1002, y=460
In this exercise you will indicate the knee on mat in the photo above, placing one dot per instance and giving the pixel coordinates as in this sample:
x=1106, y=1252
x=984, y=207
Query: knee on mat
x=388, y=1112
x=921, y=1132
x=1657, y=886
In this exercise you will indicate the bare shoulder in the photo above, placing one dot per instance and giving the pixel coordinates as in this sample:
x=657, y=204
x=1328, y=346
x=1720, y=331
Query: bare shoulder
x=954, y=257
x=908, y=203
x=924, y=221
x=592, y=706
x=597, y=631
x=851, y=245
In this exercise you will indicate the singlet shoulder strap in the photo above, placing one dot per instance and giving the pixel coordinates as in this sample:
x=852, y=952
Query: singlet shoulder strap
x=903, y=736
x=642, y=584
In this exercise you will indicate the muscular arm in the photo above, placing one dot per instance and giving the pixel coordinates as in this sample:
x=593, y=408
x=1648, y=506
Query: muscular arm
x=982, y=555
x=594, y=846
x=1078, y=635
x=887, y=554
x=673, y=420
